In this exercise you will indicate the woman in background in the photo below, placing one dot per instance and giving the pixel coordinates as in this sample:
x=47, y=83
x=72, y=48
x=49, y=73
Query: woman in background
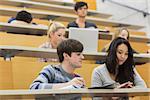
x=56, y=33
x=122, y=32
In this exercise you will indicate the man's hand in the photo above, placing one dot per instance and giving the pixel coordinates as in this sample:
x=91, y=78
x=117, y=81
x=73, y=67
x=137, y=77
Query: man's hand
x=77, y=82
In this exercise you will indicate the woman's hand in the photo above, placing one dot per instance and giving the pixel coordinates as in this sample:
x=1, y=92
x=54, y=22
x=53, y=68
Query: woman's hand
x=126, y=85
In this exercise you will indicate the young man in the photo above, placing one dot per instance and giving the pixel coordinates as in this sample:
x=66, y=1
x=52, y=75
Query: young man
x=81, y=10
x=23, y=17
x=62, y=76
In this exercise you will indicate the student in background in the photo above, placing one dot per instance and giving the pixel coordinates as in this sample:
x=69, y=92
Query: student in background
x=23, y=17
x=118, y=70
x=62, y=76
x=81, y=10
x=56, y=33
x=122, y=32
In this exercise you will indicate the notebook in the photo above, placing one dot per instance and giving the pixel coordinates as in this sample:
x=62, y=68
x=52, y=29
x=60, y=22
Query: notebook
x=110, y=86
x=87, y=36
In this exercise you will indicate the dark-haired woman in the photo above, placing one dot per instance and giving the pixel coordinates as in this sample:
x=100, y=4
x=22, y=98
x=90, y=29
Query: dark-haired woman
x=119, y=68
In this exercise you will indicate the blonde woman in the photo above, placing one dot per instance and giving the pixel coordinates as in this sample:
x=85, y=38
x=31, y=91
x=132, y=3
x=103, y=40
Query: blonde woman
x=121, y=32
x=56, y=34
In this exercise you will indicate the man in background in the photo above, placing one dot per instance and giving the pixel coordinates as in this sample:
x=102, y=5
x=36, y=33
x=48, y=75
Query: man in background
x=81, y=10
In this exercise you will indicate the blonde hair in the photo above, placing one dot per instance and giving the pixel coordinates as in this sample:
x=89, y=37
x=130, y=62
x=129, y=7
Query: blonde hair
x=115, y=35
x=118, y=31
x=53, y=27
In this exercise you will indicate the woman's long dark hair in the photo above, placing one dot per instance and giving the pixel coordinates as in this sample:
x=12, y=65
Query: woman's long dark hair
x=124, y=72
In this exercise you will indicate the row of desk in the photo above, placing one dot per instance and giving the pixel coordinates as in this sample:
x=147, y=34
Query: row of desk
x=42, y=30
x=50, y=93
x=51, y=7
x=12, y=51
x=7, y=52
x=59, y=16
x=57, y=2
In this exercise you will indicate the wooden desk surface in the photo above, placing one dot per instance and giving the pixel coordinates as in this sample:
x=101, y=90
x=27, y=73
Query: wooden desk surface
x=11, y=51
x=39, y=30
x=11, y=11
x=23, y=29
x=138, y=38
x=141, y=58
x=42, y=30
x=57, y=2
x=51, y=7
x=31, y=94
